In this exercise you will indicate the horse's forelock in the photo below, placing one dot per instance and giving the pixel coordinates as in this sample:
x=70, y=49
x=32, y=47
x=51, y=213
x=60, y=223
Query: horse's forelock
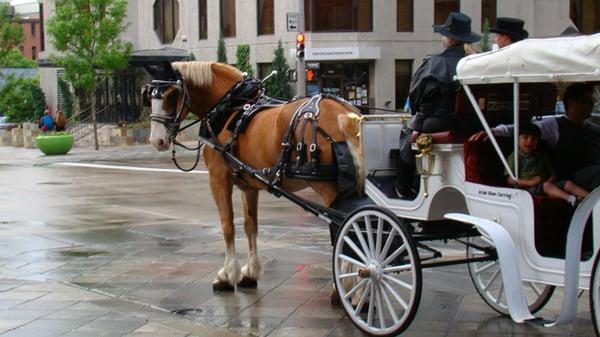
x=198, y=73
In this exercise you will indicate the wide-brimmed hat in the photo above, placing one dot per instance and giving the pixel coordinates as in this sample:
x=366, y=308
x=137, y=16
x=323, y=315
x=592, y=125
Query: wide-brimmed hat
x=457, y=27
x=512, y=27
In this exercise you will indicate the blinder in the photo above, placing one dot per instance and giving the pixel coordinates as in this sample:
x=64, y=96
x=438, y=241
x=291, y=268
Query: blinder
x=156, y=90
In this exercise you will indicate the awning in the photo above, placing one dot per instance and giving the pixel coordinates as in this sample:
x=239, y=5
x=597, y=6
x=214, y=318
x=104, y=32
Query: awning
x=535, y=60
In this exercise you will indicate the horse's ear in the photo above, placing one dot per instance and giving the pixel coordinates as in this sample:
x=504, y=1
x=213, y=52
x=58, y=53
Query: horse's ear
x=162, y=71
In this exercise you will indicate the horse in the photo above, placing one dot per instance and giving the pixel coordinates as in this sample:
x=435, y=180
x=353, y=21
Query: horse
x=197, y=87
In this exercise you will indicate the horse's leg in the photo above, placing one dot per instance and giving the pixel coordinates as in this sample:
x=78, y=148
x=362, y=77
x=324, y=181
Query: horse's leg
x=221, y=185
x=252, y=270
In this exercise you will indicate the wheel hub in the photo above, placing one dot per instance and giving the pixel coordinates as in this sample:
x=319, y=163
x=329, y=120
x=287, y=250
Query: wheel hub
x=372, y=271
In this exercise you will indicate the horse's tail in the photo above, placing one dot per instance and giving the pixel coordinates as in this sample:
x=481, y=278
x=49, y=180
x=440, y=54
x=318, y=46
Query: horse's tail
x=349, y=125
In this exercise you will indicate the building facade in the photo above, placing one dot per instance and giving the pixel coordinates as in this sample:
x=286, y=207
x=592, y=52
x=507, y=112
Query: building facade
x=363, y=50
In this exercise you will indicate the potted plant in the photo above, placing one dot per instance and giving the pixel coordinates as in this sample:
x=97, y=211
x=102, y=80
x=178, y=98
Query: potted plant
x=52, y=143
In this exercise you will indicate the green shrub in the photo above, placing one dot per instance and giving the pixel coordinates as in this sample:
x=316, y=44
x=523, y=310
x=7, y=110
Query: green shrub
x=22, y=100
x=243, y=59
x=66, y=104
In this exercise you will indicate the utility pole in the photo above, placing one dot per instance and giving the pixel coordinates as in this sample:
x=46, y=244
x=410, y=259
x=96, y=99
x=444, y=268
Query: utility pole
x=301, y=68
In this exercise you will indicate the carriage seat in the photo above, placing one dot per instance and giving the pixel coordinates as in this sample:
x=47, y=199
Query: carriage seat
x=551, y=216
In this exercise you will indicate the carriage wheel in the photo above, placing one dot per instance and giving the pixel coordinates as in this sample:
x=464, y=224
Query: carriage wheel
x=377, y=272
x=595, y=295
x=487, y=279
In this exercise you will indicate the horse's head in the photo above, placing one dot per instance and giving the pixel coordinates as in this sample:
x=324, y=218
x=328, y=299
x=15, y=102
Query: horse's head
x=181, y=87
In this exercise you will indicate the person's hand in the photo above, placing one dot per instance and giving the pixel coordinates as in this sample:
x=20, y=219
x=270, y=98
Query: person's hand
x=481, y=135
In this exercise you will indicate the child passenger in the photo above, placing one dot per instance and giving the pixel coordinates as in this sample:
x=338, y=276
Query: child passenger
x=536, y=173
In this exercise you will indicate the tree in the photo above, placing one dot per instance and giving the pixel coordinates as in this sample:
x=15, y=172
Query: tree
x=87, y=33
x=484, y=43
x=221, y=52
x=243, y=59
x=11, y=36
x=66, y=104
x=278, y=85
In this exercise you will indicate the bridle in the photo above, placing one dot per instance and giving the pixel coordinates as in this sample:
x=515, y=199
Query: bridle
x=172, y=123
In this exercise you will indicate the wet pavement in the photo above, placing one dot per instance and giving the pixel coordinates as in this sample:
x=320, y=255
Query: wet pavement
x=96, y=251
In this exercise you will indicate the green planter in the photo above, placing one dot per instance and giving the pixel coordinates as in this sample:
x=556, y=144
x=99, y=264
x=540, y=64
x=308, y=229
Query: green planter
x=52, y=144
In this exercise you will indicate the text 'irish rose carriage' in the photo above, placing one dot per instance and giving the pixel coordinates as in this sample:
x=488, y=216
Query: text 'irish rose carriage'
x=519, y=247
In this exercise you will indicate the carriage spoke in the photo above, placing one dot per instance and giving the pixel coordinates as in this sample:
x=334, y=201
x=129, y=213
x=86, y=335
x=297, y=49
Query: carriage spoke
x=348, y=275
x=394, y=255
x=369, y=231
x=388, y=243
x=356, y=250
x=396, y=296
x=363, y=300
x=500, y=294
x=398, y=282
x=370, y=312
x=478, y=271
x=379, y=307
x=355, y=288
x=492, y=279
x=361, y=239
x=351, y=260
x=379, y=236
x=535, y=288
x=388, y=303
x=396, y=269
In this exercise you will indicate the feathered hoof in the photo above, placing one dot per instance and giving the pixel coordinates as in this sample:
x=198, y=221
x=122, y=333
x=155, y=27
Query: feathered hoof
x=247, y=282
x=219, y=285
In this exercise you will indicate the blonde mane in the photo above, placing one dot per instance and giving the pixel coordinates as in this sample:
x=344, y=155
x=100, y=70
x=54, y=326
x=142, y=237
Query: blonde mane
x=198, y=73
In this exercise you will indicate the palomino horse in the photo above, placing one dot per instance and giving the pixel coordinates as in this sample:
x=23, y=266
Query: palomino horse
x=198, y=87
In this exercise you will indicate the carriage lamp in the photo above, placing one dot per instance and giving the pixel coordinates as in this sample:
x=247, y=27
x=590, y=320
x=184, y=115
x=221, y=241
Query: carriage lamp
x=425, y=160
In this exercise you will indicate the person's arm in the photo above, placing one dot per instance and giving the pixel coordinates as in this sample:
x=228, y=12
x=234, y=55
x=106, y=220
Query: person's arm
x=549, y=132
x=526, y=182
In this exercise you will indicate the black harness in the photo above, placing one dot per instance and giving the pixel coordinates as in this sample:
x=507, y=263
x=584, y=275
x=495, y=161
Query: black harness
x=245, y=100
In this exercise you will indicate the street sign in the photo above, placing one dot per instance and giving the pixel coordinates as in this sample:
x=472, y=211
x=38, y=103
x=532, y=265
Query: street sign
x=293, y=19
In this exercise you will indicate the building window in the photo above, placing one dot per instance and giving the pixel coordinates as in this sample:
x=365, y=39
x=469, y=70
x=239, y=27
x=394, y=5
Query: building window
x=34, y=53
x=586, y=15
x=443, y=8
x=33, y=29
x=228, y=18
x=488, y=11
x=42, y=41
x=404, y=15
x=202, y=20
x=266, y=17
x=166, y=19
x=338, y=15
x=403, y=76
x=264, y=69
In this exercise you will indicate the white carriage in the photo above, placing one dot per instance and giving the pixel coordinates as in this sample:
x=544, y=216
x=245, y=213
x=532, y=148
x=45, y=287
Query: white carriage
x=516, y=243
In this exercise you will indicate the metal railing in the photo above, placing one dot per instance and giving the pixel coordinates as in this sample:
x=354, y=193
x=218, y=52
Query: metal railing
x=81, y=125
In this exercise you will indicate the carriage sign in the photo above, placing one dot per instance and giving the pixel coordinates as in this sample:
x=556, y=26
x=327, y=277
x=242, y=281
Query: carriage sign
x=293, y=19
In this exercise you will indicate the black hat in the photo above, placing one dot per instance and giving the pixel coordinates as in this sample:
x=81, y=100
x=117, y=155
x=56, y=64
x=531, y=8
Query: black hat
x=511, y=27
x=457, y=27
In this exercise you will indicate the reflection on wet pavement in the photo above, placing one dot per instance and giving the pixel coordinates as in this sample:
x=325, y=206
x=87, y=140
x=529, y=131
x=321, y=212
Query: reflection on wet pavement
x=90, y=252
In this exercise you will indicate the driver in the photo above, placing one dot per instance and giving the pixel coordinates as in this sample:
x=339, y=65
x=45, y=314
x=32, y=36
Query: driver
x=432, y=93
x=570, y=138
x=508, y=30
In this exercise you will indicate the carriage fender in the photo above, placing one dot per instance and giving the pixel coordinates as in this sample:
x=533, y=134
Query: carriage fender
x=507, y=254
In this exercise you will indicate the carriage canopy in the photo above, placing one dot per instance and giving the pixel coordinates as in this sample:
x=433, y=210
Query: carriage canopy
x=561, y=59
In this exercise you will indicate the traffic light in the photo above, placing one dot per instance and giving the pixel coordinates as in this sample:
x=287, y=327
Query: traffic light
x=300, y=39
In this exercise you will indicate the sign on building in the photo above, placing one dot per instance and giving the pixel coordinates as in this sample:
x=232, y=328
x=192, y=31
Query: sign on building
x=293, y=20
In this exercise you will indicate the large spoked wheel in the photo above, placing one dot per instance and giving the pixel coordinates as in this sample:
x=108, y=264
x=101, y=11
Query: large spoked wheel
x=487, y=279
x=595, y=295
x=377, y=272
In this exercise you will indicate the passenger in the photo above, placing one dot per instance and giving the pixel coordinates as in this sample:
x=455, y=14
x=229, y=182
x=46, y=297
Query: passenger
x=61, y=122
x=46, y=122
x=570, y=149
x=432, y=94
x=509, y=30
x=536, y=173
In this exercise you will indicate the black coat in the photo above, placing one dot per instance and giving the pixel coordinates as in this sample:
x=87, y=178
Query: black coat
x=433, y=90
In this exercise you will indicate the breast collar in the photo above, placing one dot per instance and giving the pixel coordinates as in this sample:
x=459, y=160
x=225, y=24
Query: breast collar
x=246, y=91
